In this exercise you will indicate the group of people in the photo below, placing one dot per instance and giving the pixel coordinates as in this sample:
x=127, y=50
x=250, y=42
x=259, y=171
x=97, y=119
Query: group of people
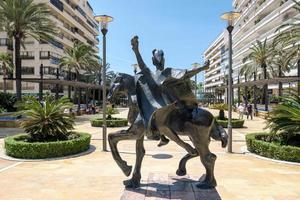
x=245, y=109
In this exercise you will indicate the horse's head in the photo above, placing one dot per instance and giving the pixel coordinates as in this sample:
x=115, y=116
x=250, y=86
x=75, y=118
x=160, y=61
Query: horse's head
x=122, y=84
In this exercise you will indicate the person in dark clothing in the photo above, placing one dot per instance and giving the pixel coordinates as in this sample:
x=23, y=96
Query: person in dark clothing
x=249, y=111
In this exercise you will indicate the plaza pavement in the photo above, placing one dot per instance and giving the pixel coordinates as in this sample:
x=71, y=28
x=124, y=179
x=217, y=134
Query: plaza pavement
x=96, y=176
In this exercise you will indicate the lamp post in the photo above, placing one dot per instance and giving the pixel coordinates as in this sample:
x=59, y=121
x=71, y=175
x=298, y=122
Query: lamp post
x=230, y=18
x=104, y=20
x=196, y=65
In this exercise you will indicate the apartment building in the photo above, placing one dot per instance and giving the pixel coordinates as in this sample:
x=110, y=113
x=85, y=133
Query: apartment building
x=215, y=76
x=75, y=21
x=259, y=20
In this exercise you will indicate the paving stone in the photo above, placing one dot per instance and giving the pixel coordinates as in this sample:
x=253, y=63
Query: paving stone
x=180, y=195
x=157, y=195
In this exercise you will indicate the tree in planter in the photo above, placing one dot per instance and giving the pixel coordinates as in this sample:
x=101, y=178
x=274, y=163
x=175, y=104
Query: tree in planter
x=21, y=19
x=221, y=107
x=260, y=55
x=284, y=119
x=47, y=121
x=7, y=66
x=111, y=111
x=79, y=57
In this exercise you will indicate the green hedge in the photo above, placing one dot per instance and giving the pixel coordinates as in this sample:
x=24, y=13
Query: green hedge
x=271, y=150
x=236, y=123
x=17, y=147
x=10, y=124
x=114, y=122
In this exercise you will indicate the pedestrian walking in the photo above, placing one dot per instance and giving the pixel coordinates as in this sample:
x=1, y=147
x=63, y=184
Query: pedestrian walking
x=241, y=111
x=249, y=111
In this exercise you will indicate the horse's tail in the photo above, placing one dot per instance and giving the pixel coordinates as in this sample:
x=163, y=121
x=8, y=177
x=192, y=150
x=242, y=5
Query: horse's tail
x=218, y=133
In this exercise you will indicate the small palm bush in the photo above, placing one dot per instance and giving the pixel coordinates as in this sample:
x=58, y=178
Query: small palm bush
x=221, y=107
x=47, y=121
x=111, y=111
x=284, y=119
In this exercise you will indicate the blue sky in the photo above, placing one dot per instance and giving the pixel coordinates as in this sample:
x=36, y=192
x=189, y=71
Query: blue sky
x=182, y=28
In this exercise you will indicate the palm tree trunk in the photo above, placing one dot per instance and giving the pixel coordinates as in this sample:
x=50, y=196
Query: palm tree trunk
x=18, y=68
x=4, y=79
x=264, y=66
x=239, y=92
x=87, y=98
x=254, y=94
x=246, y=93
x=78, y=91
x=298, y=71
x=69, y=87
x=280, y=83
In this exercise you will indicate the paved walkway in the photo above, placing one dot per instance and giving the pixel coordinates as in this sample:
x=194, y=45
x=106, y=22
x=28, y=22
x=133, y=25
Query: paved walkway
x=96, y=176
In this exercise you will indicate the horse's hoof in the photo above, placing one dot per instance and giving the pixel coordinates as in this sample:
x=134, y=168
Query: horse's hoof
x=127, y=170
x=181, y=172
x=130, y=183
x=193, y=152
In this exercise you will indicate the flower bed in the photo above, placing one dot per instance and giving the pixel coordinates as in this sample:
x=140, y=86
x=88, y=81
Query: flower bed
x=236, y=123
x=17, y=146
x=257, y=145
x=113, y=122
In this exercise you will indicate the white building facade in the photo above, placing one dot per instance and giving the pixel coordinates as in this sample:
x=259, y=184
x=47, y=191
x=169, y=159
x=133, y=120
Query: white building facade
x=259, y=20
x=75, y=22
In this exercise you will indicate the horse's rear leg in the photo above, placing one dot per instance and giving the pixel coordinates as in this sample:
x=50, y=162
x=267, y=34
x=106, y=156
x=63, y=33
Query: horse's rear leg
x=181, y=171
x=201, y=138
x=134, y=182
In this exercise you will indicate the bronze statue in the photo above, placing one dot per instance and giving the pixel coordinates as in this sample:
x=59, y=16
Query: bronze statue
x=166, y=105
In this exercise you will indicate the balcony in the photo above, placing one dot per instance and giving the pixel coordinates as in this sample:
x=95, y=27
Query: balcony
x=58, y=4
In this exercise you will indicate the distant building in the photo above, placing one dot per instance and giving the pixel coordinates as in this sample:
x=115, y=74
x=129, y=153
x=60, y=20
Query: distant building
x=75, y=21
x=259, y=20
x=215, y=76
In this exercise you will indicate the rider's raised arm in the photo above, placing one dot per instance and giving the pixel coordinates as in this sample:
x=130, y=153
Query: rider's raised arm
x=194, y=71
x=135, y=48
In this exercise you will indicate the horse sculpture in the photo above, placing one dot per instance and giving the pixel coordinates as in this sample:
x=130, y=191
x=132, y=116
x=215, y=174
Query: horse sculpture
x=171, y=117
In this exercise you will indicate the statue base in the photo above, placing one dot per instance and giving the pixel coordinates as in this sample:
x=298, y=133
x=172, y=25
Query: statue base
x=168, y=186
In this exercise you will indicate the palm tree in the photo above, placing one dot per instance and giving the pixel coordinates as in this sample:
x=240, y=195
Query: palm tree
x=260, y=55
x=284, y=119
x=79, y=57
x=283, y=61
x=249, y=72
x=21, y=19
x=7, y=66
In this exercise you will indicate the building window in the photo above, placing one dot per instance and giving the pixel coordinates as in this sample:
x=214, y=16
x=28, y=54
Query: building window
x=27, y=70
x=44, y=54
x=27, y=55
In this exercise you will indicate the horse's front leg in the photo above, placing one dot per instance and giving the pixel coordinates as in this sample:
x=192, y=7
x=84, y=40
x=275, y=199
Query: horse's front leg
x=134, y=182
x=134, y=132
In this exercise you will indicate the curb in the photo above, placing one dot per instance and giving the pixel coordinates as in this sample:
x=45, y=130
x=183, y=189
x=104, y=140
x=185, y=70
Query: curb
x=245, y=151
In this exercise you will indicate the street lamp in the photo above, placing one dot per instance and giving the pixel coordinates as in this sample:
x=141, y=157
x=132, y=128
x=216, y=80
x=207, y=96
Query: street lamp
x=196, y=65
x=230, y=17
x=104, y=20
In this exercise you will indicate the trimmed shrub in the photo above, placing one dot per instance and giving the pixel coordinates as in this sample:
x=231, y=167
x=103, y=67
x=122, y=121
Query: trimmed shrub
x=236, y=123
x=18, y=147
x=113, y=122
x=271, y=149
x=10, y=124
